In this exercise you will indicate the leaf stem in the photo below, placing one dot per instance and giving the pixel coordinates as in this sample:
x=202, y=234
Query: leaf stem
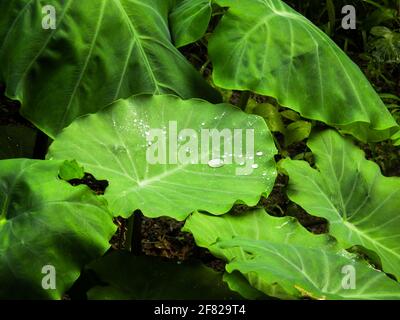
x=244, y=99
x=3, y=213
x=204, y=66
x=129, y=232
x=134, y=233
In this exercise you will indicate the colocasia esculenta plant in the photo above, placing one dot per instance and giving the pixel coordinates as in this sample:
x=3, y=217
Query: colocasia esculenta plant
x=108, y=83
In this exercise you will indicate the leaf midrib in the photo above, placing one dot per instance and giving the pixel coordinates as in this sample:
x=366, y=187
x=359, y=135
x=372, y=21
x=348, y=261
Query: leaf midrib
x=140, y=46
x=372, y=240
x=4, y=209
x=78, y=82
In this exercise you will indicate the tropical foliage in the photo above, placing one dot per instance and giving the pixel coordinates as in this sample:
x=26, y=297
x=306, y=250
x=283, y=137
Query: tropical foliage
x=111, y=71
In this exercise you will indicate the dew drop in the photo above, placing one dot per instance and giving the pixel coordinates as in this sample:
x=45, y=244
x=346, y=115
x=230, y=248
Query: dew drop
x=259, y=153
x=254, y=166
x=216, y=163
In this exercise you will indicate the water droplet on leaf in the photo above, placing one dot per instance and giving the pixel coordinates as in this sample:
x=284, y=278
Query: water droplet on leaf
x=216, y=163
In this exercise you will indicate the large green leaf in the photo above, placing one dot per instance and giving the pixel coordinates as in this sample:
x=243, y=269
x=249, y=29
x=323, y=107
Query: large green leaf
x=282, y=259
x=100, y=51
x=46, y=222
x=361, y=205
x=267, y=47
x=310, y=272
x=255, y=225
x=189, y=21
x=129, y=277
x=113, y=145
x=208, y=229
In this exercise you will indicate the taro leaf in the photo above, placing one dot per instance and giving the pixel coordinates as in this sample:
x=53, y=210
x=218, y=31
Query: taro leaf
x=16, y=141
x=297, y=131
x=100, y=51
x=311, y=272
x=46, y=222
x=266, y=47
x=118, y=143
x=254, y=224
x=189, y=21
x=282, y=259
x=129, y=277
x=361, y=205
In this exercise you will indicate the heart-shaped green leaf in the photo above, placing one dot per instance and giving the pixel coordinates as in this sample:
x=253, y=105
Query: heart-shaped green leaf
x=98, y=52
x=158, y=157
x=256, y=225
x=129, y=277
x=282, y=259
x=310, y=272
x=267, y=47
x=361, y=205
x=48, y=230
